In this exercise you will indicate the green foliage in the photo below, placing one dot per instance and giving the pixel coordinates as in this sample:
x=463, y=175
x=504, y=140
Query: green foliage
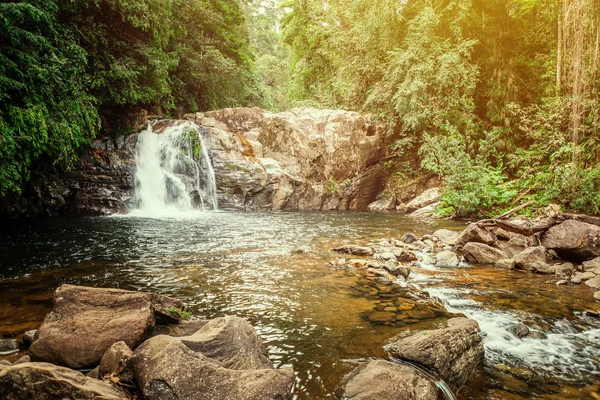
x=184, y=315
x=46, y=111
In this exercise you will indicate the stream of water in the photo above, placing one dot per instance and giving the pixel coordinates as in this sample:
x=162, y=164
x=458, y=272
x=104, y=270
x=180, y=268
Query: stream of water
x=312, y=317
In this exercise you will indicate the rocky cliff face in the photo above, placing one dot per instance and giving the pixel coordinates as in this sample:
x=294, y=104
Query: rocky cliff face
x=302, y=159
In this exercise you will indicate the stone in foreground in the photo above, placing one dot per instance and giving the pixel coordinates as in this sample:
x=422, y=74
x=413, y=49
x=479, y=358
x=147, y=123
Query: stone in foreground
x=384, y=380
x=85, y=322
x=46, y=381
x=116, y=361
x=454, y=353
x=166, y=368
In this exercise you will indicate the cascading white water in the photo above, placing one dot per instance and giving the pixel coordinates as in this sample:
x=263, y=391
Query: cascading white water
x=174, y=172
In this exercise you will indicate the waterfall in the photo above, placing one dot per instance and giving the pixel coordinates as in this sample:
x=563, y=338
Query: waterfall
x=174, y=172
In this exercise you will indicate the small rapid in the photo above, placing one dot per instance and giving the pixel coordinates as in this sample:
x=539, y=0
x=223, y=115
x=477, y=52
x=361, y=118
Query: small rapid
x=174, y=173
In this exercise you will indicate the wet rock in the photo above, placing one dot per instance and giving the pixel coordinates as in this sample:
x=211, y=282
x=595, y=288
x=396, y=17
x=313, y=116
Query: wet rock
x=28, y=337
x=454, y=353
x=428, y=197
x=446, y=236
x=165, y=368
x=46, y=381
x=404, y=255
x=582, y=277
x=594, y=282
x=21, y=360
x=116, y=361
x=232, y=341
x=429, y=243
x=381, y=316
x=528, y=257
x=506, y=263
x=519, y=330
x=354, y=250
x=537, y=335
x=384, y=380
x=573, y=240
x=541, y=267
x=562, y=282
x=385, y=256
x=409, y=238
x=447, y=259
x=592, y=265
x=477, y=234
x=5, y=362
x=565, y=270
x=480, y=253
x=85, y=322
x=398, y=270
x=8, y=346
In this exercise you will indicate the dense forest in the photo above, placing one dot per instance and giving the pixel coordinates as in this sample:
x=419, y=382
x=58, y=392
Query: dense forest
x=500, y=98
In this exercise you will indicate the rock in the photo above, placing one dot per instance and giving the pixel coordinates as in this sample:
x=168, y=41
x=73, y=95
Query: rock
x=541, y=267
x=381, y=316
x=425, y=212
x=597, y=296
x=232, y=341
x=528, y=257
x=594, y=282
x=506, y=263
x=398, y=270
x=85, y=322
x=46, y=381
x=5, y=362
x=384, y=204
x=573, y=240
x=184, y=328
x=28, y=337
x=409, y=238
x=446, y=236
x=354, y=250
x=8, y=346
x=480, y=253
x=447, y=259
x=24, y=359
x=404, y=255
x=537, y=335
x=582, y=277
x=429, y=243
x=562, y=282
x=454, y=353
x=165, y=368
x=428, y=197
x=116, y=361
x=519, y=330
x=384, y=380
x=385, y=256
x=476, y=233
x=592, y=265
x=565, y=270
x=94, y=373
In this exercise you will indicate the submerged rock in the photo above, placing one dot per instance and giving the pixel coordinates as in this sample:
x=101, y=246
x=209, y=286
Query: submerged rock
x=480, y=253
x=46, y=381
x=573, y=240
x=384, y=380
x=453, y=353
x=85, y=322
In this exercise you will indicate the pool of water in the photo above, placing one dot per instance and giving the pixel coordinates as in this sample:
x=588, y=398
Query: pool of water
x=313, y=317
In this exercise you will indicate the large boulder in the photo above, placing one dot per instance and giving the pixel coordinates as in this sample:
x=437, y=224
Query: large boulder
x=479, y=253
x=386, y=203
x=476, y=233
x=428, y=197
x=232, y=341
x=35, y=380
x=573, y=240
x=85, y=322
x=528, y=257
x=384, y=380
x=454, y=353
x=166, y=368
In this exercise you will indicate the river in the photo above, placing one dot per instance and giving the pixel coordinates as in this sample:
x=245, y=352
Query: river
x=312, y=316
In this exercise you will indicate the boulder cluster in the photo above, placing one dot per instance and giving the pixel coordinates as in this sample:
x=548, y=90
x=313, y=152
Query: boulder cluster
x=136, y=344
